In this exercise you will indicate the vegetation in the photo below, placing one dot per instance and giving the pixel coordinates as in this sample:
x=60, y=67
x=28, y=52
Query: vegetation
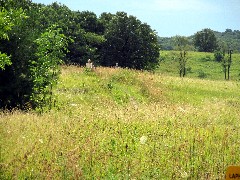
x=107, y=40
x=110, y=39
x=181, y=45
x=8, y=19
x=119, y=124
x=113, y=123
x=46, y=69
x=225, y=40
x=136, y=42
x=199, y=65
x=205, y=41
x=229, y=38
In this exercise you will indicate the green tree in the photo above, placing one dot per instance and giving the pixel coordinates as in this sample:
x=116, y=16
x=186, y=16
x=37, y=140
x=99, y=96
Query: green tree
x=45, y=70
x=105, y=19
x=11, y=17
x=8, y=19
x=86, y=44
x=15, y=81
x=205, y=41
x=181, y=44
x=89, y=22
x=130, y=43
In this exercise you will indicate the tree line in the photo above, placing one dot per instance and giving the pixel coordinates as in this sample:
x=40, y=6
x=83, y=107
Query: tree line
x=36, y=39
x=215, y=40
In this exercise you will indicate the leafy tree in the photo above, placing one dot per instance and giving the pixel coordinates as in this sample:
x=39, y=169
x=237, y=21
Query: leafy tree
x=87, y=43
x=105, y=19
x=205, y=41
x=130, y=43
x=89, y=22
x=11, y=17
x=17, y=81
x=50, y=51
x=8, y=19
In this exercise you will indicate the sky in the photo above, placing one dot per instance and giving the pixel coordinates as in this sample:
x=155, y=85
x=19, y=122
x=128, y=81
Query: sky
x=167, y=17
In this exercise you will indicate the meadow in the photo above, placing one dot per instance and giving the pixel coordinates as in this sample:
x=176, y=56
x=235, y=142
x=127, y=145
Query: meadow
x=125, y=124
x=199, y=65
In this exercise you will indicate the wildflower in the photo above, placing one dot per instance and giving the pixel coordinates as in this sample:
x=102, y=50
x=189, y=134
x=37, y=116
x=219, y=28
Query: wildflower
x=40, y=140
x=184, y=174
x=143, y=139
x=181, y=109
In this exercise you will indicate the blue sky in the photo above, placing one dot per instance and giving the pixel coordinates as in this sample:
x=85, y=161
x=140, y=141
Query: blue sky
x=168, y=17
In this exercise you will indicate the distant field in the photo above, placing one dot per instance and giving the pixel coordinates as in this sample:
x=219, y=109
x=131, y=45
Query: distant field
x=125, y=124
x=199, y=65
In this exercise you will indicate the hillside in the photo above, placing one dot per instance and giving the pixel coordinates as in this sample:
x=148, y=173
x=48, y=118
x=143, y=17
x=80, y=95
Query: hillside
x=199, y=65
x=125, y=124
x=230, y=37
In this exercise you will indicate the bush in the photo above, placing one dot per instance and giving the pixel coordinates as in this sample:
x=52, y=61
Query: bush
x=45, y=70
x=202, y=74
x=218, y=55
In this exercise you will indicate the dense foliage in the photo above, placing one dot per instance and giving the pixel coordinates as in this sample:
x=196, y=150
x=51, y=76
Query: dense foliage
x=130, y=43
x=28, y=64
x=228, y=39
x=205, y=41
x=45, y=71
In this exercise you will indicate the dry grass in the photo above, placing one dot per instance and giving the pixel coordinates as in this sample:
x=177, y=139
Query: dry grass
x=191, y=126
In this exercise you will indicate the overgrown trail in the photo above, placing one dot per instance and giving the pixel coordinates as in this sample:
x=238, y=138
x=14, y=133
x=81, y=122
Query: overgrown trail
x=125, y=124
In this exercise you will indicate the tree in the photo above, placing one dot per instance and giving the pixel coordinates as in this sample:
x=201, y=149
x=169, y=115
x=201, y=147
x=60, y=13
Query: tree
x=181, y=44
x=227, y=64
x=205, y=41
x=11, y=17
x=130, y=43
x=8, y=19
x=89, y=22
x=45, y=70
x=17, y=82
x=87, y=44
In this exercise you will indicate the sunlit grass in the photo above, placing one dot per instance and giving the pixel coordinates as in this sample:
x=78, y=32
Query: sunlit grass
x=125, y=124
x=200, y=65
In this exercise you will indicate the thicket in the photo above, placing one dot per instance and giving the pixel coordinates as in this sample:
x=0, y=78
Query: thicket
x=32, y=48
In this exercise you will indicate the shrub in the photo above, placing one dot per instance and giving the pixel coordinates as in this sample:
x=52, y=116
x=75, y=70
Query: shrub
x=202, y=74
x=218, y=55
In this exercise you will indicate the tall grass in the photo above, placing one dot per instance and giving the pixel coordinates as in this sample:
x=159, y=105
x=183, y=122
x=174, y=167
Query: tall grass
x=125, y=124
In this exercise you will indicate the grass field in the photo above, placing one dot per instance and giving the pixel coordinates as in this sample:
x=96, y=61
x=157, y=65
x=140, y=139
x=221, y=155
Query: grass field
x=125, y=124
x=199, y=65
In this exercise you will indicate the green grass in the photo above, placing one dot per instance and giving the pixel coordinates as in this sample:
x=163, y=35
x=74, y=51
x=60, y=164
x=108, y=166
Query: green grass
x=191, y=127
x=199, y=65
